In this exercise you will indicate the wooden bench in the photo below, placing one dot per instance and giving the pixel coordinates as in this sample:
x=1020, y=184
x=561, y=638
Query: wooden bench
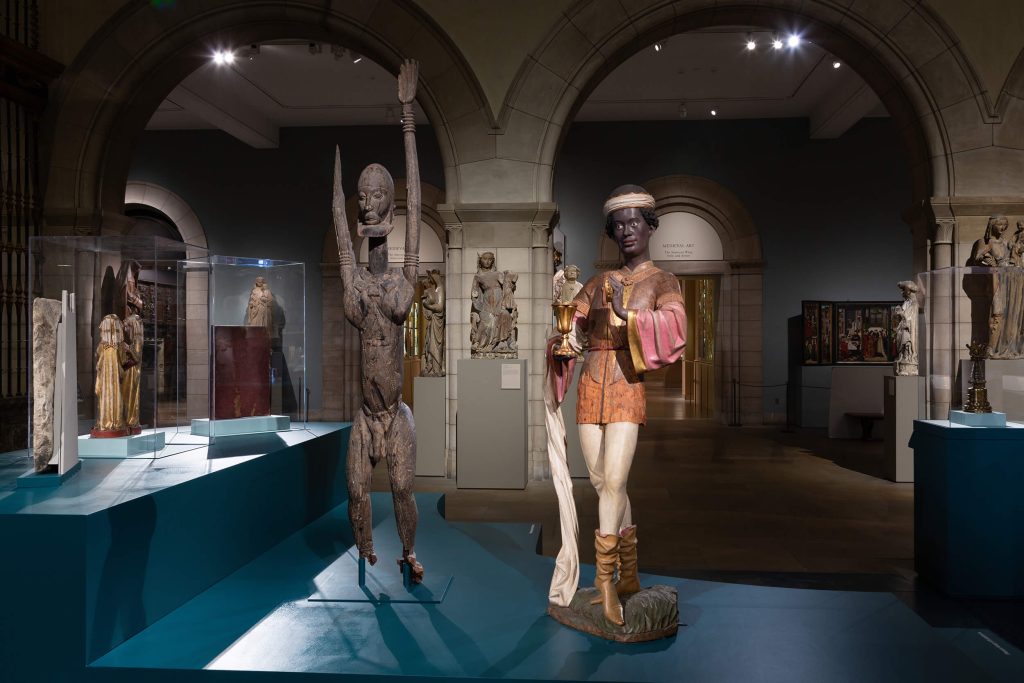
x=867, y=422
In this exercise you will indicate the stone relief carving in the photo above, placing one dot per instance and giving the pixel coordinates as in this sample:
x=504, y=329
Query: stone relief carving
x=1003, y=292
x=433, y=305
x=45, y=316
x=905, y=331
x=494, y=313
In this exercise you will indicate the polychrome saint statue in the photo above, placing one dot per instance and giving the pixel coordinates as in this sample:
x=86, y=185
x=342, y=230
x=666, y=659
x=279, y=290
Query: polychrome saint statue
x=635, y=322
x=377, y=301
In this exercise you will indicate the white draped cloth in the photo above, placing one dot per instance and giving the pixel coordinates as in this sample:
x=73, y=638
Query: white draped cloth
x=566, y=578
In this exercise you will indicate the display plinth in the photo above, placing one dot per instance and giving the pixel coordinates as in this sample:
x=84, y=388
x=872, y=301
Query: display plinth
x=966, y=419
x=121, y=447
x=241, y=425
x=1004, y=379
x=33, y=479
x=967, y=508
x=904, y=403
x=428, y=412
x=377, y=585
x=491, y=432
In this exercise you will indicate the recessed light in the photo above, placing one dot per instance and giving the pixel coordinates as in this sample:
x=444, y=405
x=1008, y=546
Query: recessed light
x=776, y=44
x=836, y=64
x=356, y=58
x=751, y=45
x=222, y=57
x=714, y=112
x=793, y=41
x=657, y=47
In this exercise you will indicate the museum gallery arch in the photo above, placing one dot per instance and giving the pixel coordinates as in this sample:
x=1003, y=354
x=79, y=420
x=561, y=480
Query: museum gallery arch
x=109, y=92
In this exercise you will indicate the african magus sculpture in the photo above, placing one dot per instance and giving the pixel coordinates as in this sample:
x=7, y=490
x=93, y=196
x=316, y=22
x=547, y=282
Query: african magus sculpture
x=377, y=301
x=635, y=322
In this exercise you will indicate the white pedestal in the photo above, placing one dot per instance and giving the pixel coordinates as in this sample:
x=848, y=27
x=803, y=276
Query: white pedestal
x=994, y=419
x=122, y=446
x=241, y=425
x=855, y=389
x=428, y=412
x=904, y=402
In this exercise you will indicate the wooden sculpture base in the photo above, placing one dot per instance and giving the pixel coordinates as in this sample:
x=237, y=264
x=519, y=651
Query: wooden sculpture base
x=651, y=614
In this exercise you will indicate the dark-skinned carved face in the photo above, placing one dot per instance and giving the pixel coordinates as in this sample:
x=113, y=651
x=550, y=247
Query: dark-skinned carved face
x=630, y=231
x=376, y=202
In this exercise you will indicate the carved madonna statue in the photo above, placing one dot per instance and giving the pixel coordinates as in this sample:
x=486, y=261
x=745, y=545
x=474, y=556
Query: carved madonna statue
x=493, y=317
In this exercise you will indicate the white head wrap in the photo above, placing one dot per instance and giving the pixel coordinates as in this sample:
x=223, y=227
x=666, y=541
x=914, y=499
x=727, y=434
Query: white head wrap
x=630, y=200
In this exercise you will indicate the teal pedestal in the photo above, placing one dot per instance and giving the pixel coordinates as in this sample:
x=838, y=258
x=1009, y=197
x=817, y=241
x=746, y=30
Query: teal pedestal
x=241, y=425
x=122, y=446
x=968, y=508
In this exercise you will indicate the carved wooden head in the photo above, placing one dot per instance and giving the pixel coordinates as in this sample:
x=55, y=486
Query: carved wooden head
x=376, y=202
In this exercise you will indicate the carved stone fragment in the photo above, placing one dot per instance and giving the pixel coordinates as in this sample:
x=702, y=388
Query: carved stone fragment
x=45, y=316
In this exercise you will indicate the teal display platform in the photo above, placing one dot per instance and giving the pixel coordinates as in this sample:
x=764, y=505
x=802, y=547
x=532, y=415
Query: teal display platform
x=350, y=579
x=148, y=443
x=241, y=425
x=124, y=543
x=31, y=479
x=969, y=508
x=259, y=625
x=977, y=419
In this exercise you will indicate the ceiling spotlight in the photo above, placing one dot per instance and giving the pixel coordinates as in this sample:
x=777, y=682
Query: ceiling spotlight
x=714, y=112
x=222, y=57
x=315, y=48
x=751, y=44
x=338, y=51
x=657, y=47
x=356, y=58
x=793, y=41
x=836, y=64
x=682, y=110
x=776, y=43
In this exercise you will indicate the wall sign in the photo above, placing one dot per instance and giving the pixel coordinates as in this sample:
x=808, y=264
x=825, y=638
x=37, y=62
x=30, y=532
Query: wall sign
x=685, y=236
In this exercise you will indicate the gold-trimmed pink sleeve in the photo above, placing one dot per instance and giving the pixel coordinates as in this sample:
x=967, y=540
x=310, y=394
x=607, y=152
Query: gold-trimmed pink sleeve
x=657, y=338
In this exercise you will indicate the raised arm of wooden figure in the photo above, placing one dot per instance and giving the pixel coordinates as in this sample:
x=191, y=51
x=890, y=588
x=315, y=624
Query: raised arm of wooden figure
x=407, y=78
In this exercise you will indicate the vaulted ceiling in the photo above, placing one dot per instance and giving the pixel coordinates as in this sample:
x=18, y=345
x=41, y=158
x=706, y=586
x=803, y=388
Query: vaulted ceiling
x=294, y=83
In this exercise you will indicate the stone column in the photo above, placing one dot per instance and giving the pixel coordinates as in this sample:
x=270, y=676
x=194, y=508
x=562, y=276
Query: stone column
x=939, y=365
x=456, y=332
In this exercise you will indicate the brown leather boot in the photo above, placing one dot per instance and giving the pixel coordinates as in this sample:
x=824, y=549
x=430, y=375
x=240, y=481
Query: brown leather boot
x=607, y=548
x=628, y=581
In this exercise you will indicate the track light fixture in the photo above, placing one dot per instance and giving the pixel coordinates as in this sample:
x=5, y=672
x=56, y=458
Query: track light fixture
x=658, y=47
x=223, y=57
x=776, y=43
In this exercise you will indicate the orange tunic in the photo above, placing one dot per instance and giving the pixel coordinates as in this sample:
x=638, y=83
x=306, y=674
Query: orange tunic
x=611, y=385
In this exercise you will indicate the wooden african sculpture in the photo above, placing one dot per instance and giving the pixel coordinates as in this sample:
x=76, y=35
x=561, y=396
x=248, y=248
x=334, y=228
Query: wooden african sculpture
x=376, y=301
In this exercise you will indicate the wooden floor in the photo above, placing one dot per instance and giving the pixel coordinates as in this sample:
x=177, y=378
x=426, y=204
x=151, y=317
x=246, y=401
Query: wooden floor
x=710, y=499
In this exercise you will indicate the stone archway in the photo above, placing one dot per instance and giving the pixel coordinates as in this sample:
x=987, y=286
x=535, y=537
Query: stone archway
x=738, y=355
x=341, y=355
x=197, y=348
x=104, y=98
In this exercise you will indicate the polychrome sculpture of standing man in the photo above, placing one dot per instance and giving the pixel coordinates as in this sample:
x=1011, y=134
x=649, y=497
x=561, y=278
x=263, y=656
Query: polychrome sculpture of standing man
x=635, y=322
x=376, y=301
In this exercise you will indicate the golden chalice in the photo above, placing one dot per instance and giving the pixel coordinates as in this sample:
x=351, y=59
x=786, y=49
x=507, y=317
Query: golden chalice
x=564, y=314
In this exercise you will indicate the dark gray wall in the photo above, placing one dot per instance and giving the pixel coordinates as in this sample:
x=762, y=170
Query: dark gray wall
x=828, y=211
x=275, y=203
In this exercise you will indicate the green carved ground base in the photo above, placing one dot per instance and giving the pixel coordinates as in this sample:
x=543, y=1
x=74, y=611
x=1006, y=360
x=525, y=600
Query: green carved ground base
x=651, y=614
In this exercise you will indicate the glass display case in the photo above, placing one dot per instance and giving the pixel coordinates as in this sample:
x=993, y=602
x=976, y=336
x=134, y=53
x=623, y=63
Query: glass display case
x=126, y=346
x=249, y=316
x=972, y=304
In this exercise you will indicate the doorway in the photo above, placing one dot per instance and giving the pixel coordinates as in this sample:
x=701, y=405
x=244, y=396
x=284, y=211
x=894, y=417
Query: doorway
x=687, y=388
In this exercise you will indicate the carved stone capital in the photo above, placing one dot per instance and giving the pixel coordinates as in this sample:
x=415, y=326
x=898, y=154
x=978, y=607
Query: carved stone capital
x=454, y=231
x=541, y=235
x=943, y=230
